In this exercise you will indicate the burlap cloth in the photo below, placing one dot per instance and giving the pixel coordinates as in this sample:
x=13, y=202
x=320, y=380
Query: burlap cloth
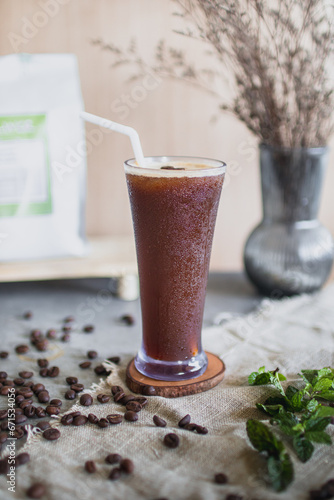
x=293, y=334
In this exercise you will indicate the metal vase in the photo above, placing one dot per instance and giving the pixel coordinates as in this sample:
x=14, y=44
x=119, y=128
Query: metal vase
x=290, y=252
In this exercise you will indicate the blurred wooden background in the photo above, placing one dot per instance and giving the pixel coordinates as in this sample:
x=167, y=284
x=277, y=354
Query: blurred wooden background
x=171, y=117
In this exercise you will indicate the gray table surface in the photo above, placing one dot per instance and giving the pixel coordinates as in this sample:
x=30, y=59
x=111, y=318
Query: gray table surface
x=90, y=302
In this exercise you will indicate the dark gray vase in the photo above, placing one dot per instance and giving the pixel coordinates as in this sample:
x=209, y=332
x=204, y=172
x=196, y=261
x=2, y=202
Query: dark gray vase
x=290, y=252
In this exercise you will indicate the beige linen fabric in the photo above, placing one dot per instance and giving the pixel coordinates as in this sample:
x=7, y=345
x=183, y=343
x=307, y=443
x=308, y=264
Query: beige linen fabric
x=292, y=334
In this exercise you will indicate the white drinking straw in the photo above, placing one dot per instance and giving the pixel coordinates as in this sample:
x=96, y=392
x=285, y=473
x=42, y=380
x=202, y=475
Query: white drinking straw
x=122, y=129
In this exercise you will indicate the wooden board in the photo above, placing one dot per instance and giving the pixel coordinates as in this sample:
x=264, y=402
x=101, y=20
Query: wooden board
x=214, y=374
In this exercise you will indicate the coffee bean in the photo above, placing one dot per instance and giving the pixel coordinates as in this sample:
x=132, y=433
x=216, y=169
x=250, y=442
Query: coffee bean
x=44, y=372
x=86, y=400
x=126, y=399
x=25, y=403
x=141, y=400
x=75, y=413
x=149, y=390
x=220, y=478
x=80, y=420
x=29, y=411
x=67, y=329
x=27, y=315
x=42, y=345
x=22, y=348
x=56, y=402
x=28, y=383
x=3, y=437
x=103, y=398
x=233, y=497
x=93, y=419
x=19, y=419
x=133, y=406
x=40, y=412
x=69, y=319
x=115, y=418
x=159, y=422
x=116, y=388
x=127, y=466
x=36, y=490
x=171, y=440
x=53, y=371
x=18, y=381
x=70, y=394
x=4, y=354
x=4, y=391
x=38, y=388
x=88, y=328
x=118, y=396
x=100, y=370
x=127, y=319
x=113, y=458
x=18, y=411
x=52, y=410
x=196, y=428
x=43, y=362
x=3, y=414
x=85, y=364
x=35, y=336
x=51, y=434
x=43, y=397
x=71, y=380
x=67, y=420
x=103, y=422
x=25, y=390
x=7, y=382
x=115, y=474
x=77, y=387
x=131, y=416
x=90, y=466
x=4, y=466
x=25, y=374
x=51, y=334
x=22, y=458
x=115, y=359
x=19, y=399
x=43, y=424
x=91, y=354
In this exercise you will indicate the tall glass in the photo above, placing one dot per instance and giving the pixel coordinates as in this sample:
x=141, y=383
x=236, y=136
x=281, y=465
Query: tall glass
x=174, y=202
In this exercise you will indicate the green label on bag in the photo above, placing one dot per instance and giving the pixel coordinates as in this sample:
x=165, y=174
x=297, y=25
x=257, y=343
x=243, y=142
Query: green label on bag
x=25, y=187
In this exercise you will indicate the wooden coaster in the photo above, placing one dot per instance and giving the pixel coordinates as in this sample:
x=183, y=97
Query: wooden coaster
x=211, y=377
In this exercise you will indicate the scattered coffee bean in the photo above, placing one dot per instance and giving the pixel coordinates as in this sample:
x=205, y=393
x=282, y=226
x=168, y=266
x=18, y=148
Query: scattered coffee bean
x=85, y=364
x=220, y=478
x=4, y=354
x=115, y=474
x=141, y=400
x=43, y=397
x=71, y=380
x=22, y=349
x=90, y=466
x=43, y=425
x=115, y=418
x=113, y=458
x=3, y=414
x=18, y=433
x=100, y=370
x=126, y=399
x=196, y=428
x=29, y=383
x=51, y=334
x=103, y=422
x=127, y=319
x=232, y=496
x=29, y=411
x=53, y=371
x=44, y=372
x=18, y=411
x=116, y=388
x=36, y=335
x=88, y=328
x=36, y=490
x=26, y=392
x=133, y=406
x=19, y=419
x=115, y=359
x=77, y=387
x=91, y=354
x=119, y=396
x=67, y=329
x=36, y=388
x=103, y=398
x=80, y=420
x=40, y=412
x=70, y=394
x=4, y=466
x=52, y=410
x=51, y=434
x=25, y=403
x=149, y=390
x=26, y=374
x=18, y=381
x=22, y=458
x=66, y=337
x=86, y=400
x=19, y=399
x=131, y=416
x=75, y=413
x=42, y=345
x=27, y=315
x=93, y=419
x=69, y=319
x=56, y=402
x=67, y=420
x=159, y=422
x=3, y=437
x=171, y=440
x=4, y=391
x=127, y=466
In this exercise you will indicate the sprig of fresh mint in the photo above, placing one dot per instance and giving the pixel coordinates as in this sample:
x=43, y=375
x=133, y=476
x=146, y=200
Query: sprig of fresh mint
x=304, y=429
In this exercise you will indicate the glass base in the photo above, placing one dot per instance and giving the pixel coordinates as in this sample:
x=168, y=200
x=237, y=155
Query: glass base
x=171, y=370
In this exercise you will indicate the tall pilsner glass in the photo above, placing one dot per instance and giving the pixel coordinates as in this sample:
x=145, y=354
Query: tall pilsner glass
x=174, y=202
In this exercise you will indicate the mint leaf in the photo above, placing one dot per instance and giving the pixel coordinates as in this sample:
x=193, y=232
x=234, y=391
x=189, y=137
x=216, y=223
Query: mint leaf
x=317, y=424
x=269, y=409
x=328, y=395
x=324, y=411
x=323, y=384
x=259, y=378
x=313, y=405
x=262, y=438
x=280, y=471
x=303, y=447
x=319, y=437
x=309, y=376
x=326, y=372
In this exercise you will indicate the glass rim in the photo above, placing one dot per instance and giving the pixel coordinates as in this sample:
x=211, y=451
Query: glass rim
x=212, y=165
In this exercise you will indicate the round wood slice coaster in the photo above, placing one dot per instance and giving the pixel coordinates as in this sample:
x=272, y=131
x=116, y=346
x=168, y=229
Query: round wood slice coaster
x=214, y=373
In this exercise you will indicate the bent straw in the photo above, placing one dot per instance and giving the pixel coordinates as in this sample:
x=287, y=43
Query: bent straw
x=122, y=129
